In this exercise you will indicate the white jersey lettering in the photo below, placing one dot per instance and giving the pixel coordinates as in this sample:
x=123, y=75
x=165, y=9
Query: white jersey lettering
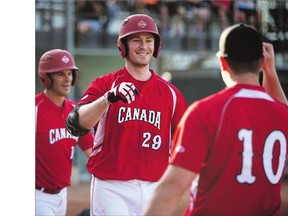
x=57, y=134
x=143, y=116
x=150, y=116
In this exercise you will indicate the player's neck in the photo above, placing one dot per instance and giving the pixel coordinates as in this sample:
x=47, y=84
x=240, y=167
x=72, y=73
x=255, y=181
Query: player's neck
x=58, y=100
x=139, y=73
x=248, y=79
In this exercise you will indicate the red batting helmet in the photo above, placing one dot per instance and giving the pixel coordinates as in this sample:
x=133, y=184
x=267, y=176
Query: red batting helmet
x=137, y=23
x=55, y=60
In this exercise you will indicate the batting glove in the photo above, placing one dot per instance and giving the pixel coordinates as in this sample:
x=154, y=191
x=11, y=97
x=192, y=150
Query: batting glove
x=125, y=91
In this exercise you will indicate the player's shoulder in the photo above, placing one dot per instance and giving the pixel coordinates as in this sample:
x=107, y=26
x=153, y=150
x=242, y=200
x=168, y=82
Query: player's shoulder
x=219, y=99
x=40, y=98
x=108, y=78
x=160, y=80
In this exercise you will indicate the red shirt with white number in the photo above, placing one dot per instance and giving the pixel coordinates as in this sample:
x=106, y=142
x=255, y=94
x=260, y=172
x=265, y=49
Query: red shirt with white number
x=132, y=141
x=55, y=146
x=237, y=141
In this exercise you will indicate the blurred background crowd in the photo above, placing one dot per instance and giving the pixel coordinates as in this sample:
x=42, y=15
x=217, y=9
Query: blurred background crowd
x=181, y=23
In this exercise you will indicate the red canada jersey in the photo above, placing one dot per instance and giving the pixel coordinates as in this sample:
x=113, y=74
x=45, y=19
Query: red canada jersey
x=132, y=141
x=55, y=146
x=236, y=140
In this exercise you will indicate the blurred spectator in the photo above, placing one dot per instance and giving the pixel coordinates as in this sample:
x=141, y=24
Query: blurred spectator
x=152, y=5
x=90, y=15
x=139, y=6
x=223, y=10
x=246, y=11
x=112, y=8
x=165, y=22
x=136, y=6
x=199, y=11
x=178, y=22
x=171, y=16
x=143, y=6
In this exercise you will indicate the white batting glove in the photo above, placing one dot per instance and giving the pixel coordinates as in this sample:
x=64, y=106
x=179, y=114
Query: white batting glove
x=125, y=91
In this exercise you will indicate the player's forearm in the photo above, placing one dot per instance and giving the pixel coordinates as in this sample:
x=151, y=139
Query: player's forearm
x=164, y=202
x=273, y=87
x=172, y=187
x=87, y=152
x=270, y=78
x=90, y=114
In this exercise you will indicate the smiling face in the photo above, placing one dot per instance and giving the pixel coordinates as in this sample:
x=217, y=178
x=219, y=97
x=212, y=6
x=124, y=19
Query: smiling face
x=61, y=82
x=140, y=49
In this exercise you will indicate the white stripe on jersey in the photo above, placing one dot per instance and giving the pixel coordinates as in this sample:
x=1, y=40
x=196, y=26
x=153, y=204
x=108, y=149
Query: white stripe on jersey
x=173, y=111
x=242, y=93
x=100, y=133
x=174, y=99
x=174, y=107
x=36, y=113
x=249, y=93
x=173, y=96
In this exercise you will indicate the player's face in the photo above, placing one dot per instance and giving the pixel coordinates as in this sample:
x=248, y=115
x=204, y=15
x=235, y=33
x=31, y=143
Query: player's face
x=62, y=82
x=141, y=48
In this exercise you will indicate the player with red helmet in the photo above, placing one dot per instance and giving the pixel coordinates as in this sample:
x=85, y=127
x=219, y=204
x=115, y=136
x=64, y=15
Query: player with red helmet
x=54, y=61
x=134, y=112
x=55, y=146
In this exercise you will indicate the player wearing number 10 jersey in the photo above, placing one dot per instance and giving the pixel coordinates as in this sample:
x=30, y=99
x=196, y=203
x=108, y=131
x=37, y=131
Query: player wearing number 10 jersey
x=230, y=148
x=240, y=157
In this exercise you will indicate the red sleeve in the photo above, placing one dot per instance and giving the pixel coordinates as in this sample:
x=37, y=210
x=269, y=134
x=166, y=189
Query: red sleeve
x=190, y=141
x=85, y=142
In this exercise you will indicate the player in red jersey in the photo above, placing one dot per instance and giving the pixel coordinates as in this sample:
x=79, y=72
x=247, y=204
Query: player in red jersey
x=230, y=148
x=136, y=112
x=55, y=146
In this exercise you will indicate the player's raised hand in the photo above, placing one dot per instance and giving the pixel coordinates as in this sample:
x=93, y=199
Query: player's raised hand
x=269, y=59
x=125, y=91
x=271, y=80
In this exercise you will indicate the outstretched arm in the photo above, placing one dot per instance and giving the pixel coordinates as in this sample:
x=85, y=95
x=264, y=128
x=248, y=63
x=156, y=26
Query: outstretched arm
x=83, y=117
x=91, y=113
x=171, y=189
x=270, y=79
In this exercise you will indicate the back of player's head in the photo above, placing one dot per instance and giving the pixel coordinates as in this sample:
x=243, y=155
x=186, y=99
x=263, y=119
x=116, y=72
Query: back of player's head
x=137, y=23
x=241, y=43
x=55, y=60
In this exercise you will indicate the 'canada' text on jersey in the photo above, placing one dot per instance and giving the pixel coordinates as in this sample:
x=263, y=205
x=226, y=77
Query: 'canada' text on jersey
x=128, y=114
x=56, y=134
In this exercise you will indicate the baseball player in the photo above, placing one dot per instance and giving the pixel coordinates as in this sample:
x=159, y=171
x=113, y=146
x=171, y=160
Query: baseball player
x=230, y=148
x=55, y=146
x=135, y=112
